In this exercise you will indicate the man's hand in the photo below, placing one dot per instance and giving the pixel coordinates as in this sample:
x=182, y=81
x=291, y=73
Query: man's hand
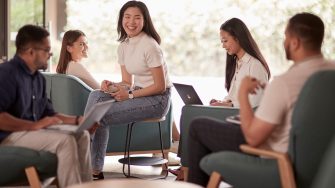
x=250, y=85
x=45, y=122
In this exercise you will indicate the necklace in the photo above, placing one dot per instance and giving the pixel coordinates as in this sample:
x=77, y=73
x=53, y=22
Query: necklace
x=239, y=65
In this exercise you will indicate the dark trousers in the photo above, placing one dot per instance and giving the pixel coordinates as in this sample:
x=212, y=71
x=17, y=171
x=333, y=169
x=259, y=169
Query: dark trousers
x=208, y=135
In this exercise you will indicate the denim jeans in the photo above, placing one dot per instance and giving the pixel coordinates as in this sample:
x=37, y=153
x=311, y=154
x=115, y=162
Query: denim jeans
x=127, y=111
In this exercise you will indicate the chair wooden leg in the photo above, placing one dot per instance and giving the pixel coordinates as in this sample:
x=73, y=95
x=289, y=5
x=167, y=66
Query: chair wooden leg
x=185, y=170
x=32, y=177
x=214, y=180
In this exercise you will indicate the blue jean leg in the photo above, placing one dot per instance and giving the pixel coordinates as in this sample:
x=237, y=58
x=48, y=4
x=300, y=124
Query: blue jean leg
x=136, y=109
x=102, y=132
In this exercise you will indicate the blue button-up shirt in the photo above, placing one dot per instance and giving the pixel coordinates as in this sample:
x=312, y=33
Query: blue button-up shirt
x=22, y=93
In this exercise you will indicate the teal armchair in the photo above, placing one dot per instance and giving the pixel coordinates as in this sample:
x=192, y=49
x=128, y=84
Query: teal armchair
x=20, y=166
x=325, y=176
x=69, y=95
x=311, y=134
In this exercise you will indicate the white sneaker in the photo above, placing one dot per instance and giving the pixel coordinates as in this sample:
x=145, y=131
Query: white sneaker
x=172, y=158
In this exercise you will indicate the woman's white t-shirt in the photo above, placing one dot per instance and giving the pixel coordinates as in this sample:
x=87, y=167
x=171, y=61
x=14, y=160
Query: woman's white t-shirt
x=140, y=53
x=78, y=70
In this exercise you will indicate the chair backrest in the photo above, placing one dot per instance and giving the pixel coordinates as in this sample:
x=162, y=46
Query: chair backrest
x=325, y=176
x=313, y=126
x=68, y=93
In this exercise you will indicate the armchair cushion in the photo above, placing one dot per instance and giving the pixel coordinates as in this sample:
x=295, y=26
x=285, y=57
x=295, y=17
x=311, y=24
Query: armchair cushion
x=243, y=170
x=14, y=160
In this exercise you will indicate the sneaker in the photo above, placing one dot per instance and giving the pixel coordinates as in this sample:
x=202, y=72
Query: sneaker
x=99, y=176
x=173, y=160
x=174, y=147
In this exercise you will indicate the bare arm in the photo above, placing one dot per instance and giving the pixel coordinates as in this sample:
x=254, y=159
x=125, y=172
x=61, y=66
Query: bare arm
x=11, y=123
x=157, y=87
x=255, y=130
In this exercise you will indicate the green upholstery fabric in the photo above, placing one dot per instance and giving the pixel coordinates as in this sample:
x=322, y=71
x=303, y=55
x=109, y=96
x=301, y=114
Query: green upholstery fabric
x=312, y=130
x=14, y=160
x=69, y=95
x=189, y=113
x=325, y=176
x=312, y=126
x=243, y=171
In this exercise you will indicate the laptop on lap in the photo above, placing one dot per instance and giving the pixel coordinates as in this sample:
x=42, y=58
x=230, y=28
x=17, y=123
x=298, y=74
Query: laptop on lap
x=188, y=94
x=94, y=115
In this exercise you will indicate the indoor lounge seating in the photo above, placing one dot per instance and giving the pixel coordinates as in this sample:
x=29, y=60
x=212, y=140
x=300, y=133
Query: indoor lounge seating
x=310, y=136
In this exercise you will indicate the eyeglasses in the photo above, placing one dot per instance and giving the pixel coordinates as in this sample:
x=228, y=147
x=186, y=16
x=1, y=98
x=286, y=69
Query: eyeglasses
x=46, y=50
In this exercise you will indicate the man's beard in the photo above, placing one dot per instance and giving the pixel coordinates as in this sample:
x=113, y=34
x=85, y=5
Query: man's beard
x=287, y=52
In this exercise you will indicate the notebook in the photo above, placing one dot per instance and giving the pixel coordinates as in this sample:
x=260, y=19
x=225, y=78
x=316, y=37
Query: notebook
x=187, y=94
x=97, y=111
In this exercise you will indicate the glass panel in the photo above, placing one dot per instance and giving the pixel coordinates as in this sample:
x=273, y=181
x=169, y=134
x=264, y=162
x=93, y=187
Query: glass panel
x=21, y=13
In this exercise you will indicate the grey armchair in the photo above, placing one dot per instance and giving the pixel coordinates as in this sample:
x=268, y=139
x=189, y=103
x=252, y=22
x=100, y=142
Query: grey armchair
x=311, y=133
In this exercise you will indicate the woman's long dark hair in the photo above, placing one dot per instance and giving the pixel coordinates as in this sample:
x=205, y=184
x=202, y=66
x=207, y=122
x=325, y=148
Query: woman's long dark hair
x=237, y=29
x=69, y=38
x=148, y=27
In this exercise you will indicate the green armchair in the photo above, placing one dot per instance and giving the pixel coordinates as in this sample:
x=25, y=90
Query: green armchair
x=311, y=133
x=325, y=176
x=19, y=165
x=69, y=95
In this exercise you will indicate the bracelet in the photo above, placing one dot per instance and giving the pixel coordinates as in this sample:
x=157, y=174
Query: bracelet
x=77, y=120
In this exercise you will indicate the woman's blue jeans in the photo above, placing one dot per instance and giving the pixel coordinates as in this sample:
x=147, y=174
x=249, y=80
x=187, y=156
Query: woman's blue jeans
x=127, y=111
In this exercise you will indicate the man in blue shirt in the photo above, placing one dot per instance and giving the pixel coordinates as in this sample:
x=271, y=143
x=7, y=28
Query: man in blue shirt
x=25, y=109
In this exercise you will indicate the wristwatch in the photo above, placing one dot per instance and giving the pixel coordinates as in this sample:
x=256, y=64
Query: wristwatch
x=130, y=94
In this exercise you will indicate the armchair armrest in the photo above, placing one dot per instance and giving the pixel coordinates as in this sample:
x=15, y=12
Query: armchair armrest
x=284, y=164
x=189, y=113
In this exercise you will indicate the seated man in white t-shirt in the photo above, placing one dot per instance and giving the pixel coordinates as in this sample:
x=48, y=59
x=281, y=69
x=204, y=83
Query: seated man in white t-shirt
x=269, y=126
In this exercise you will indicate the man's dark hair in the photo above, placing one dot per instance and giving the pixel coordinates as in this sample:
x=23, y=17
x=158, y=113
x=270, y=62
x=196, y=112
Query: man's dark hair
x=309, y=28
x=29, y=34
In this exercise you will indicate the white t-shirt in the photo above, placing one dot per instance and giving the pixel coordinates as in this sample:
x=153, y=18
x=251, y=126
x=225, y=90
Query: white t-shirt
x=140, y=53
x=78, y=70
x=249, y=66
x=279, y=98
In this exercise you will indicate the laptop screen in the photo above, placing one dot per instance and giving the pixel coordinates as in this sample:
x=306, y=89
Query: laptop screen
x=187, y=94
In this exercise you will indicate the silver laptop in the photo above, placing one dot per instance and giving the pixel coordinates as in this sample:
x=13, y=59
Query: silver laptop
x=94, y=115
x=187, y=94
